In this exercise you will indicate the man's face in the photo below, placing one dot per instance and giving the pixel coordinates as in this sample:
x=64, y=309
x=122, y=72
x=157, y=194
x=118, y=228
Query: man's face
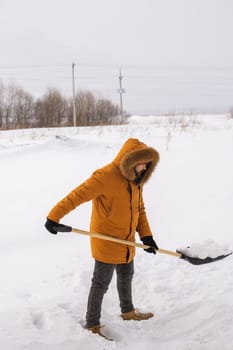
x=139, y=168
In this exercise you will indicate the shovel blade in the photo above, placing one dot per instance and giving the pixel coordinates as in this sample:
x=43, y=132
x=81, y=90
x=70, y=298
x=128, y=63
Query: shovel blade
x=199, y=261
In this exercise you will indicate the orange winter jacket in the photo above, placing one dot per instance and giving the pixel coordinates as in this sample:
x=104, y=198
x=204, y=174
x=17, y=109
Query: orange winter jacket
x=117, y=202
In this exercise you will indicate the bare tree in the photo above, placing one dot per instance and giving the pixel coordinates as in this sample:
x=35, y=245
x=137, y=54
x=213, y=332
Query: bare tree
x=107, y=112
x=231, y=113
x=52, y=109
x=93, y=111
x=16, y=107
x=85, y=107
x=1, y=105
x=23, y=109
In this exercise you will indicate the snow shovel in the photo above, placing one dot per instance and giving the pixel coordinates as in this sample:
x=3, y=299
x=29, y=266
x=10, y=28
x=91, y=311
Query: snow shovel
x=178, y=254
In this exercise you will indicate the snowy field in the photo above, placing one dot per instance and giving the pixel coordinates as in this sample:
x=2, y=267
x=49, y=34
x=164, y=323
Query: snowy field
x=45, y=278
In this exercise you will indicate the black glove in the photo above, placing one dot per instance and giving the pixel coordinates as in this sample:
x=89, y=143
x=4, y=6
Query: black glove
x=148, y=240
x=54, y=227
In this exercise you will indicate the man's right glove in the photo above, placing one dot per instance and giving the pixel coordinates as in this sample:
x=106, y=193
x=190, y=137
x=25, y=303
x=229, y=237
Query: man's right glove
x=148, y=240
x=54, y=227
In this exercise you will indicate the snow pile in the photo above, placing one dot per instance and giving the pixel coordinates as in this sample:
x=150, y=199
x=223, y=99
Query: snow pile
x=208, y=248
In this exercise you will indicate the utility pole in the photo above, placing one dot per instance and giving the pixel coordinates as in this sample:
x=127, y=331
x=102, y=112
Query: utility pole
x=74, y=108
x=121, y=91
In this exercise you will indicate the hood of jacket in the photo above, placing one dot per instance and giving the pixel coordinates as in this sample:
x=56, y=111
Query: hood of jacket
x=134, y=152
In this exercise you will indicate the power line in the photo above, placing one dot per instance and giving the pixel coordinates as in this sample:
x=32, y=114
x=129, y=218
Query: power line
x=126, y=66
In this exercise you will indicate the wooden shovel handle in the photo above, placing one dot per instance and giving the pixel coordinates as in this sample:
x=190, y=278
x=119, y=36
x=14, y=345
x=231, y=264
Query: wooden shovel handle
x=123, y=241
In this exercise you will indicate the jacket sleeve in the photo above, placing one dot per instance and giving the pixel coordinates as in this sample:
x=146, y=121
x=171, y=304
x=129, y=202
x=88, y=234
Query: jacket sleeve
x=143, y=223
x=88, y=190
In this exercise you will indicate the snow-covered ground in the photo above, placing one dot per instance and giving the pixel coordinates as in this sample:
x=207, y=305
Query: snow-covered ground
x=45, y=278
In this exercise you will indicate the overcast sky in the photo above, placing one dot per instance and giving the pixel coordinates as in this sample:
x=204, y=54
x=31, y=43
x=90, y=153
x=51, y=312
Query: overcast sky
x=144, y=37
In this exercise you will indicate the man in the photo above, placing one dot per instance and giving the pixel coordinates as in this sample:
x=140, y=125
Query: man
x=117, y=210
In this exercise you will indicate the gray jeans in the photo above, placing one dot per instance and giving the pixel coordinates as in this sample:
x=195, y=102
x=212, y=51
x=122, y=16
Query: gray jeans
x=102, y=277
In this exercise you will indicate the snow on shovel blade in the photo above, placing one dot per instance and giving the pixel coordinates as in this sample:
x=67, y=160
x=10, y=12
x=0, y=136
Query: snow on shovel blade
x=207, y=252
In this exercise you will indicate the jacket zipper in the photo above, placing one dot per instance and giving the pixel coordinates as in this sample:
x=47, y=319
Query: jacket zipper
x=131, y=219
x=139, y=198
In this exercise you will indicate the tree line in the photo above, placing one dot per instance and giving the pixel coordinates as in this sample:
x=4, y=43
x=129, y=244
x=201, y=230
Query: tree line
x=19, y=109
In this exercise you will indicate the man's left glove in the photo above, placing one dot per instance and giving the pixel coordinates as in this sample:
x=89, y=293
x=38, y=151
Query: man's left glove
x=54, y=227
x=148, y=240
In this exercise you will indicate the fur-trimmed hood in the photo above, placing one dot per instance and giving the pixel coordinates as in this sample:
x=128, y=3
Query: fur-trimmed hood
x=132, y=153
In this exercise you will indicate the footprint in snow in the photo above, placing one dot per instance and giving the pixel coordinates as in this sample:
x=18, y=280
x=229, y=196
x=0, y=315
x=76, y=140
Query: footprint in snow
x=38, y=319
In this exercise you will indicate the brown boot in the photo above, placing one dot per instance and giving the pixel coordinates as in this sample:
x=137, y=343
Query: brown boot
x=136, y=315
x=97, y=330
